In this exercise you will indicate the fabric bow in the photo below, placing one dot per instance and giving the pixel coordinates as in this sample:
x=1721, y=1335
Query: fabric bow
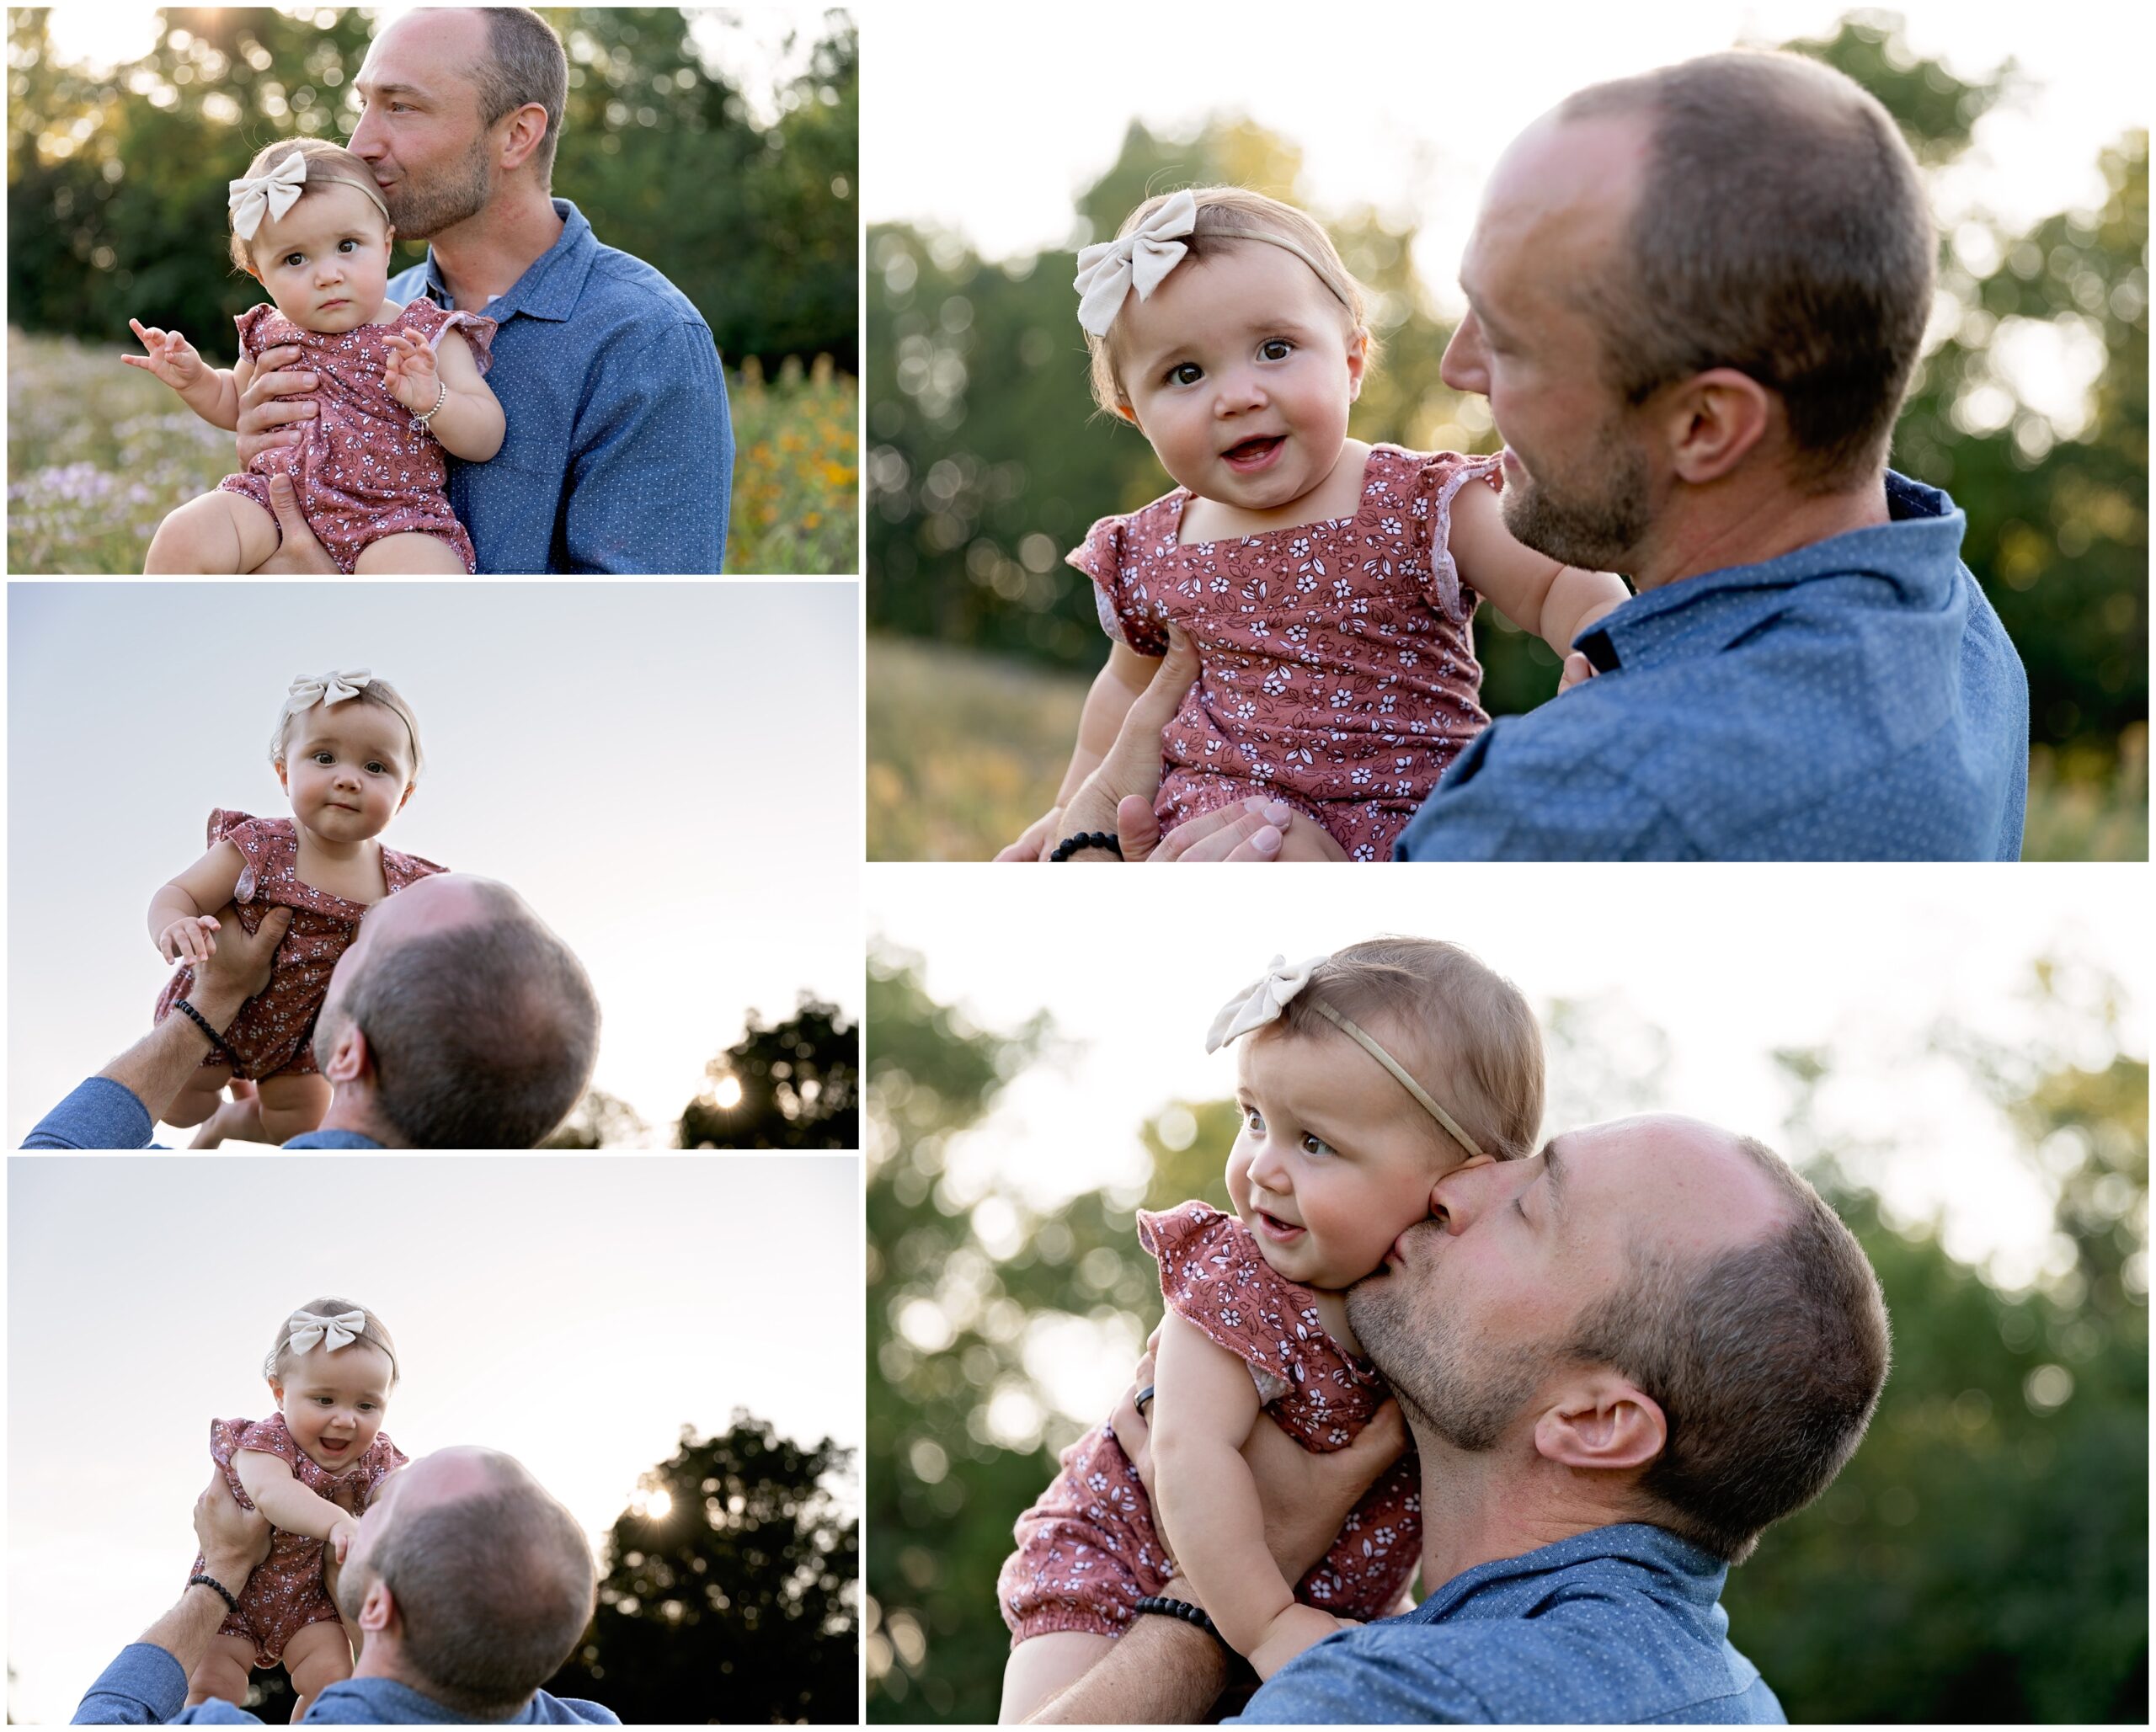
x=334, y=1332
x=275, y=190
x=304, y=693
x=1262, y=1004
x=1109, y=269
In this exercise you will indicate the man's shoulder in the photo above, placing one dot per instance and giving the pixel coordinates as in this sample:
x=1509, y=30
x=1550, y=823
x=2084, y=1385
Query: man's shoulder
x=623, y=285
x=386, y=1702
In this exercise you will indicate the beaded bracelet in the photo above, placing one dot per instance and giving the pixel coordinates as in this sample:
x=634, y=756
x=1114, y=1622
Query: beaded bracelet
x=1088, y=838
x=1194, y=1616
x=217, y=1040
x=224, y=1593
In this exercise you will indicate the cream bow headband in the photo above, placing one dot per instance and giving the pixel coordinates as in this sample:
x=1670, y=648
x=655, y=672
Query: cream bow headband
x=1265, y=1002
x=332, y=1332
x=304, y=693
x=275, y=190
x=1108, y=270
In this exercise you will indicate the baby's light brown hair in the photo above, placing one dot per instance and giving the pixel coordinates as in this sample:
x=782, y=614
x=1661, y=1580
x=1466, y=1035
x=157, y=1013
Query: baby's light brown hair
x=1466, y=1034
x=278, y=1365
x=326, y=164
x=1227, y=214
x=379, y=692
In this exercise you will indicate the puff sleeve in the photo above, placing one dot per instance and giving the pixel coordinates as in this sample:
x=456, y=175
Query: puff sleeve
x=1127, y=613
x=1442, y=476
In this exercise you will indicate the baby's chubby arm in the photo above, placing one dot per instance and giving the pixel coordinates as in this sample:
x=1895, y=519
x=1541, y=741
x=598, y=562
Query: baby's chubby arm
x=287, y=1503
x=1537, y=593
x=1115, y=689
x=181, y=925
x=469, y=424
x=1207, y=1500
x=212, y=393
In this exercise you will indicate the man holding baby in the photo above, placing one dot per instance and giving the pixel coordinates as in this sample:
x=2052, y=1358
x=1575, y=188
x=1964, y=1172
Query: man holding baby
x=1695, y=300
x=619, y=453
x=1620, y=1361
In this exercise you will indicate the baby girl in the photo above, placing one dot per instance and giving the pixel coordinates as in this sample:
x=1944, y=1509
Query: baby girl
x=1368, y=1075
x=1327, y=584
x=311, y=1467
x=346, y=748
x=398, y=385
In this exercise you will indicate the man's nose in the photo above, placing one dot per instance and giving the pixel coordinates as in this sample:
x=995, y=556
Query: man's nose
x=1464, y=366
x=1456, y=1198
x=363, y=143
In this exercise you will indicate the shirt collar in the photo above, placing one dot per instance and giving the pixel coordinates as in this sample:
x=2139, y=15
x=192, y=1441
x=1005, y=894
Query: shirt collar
x=551, y=284
x=1685, y=1571
x=1918, y=552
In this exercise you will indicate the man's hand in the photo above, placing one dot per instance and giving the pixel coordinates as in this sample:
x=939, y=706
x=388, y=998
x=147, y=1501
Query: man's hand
x=1257, y=829
x=299, y=551
x=265, y=419
x=1039, y=838
x=234, y=1540
x=239, y=966
x=171, y=357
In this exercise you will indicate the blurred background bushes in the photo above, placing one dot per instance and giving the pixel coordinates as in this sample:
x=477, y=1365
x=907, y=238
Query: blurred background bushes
x=747, y=199
x=1984, y=1558
x=987, y=463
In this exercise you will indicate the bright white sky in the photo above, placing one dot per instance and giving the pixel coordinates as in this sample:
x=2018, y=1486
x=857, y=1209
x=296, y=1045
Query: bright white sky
x=575, y=1311
x=991, y=124
x=1730, y=964
x=669, y=773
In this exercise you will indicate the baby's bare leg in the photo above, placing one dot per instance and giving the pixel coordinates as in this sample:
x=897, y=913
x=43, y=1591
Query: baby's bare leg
x=218, y=532
x=291, y=1104
x=316, y=1657
x=199, y=1096
x=402, y=556
x=223, y=1672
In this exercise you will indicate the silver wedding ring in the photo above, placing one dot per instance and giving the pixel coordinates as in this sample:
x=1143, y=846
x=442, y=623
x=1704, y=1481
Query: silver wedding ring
x=1140, y=1399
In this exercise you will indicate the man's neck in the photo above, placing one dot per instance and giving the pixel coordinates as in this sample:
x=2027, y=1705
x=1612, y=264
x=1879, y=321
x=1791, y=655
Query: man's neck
x=380, y=1659
x=483, y=255
x=351, y=1108
x=1481, y=1505
x=1741, y=522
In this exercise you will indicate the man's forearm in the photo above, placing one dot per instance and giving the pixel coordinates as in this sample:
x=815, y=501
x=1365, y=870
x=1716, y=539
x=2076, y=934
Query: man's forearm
x=184, y=1632
x=1161, y=1671
x=157, y=1067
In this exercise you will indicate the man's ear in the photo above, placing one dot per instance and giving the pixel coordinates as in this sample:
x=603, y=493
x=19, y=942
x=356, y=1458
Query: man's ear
x=349, y=1060
x=1604, y=1421
x=1712, y=422
x=378, y=1610
x=528, y=126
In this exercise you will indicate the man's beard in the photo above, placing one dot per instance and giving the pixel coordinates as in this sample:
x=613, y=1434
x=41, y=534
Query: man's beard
x=1466, y=1397
x=1595, y=519
x=422, y=211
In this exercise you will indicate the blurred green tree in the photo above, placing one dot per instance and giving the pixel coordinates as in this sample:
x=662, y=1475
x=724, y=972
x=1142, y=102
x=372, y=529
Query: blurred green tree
x=731, y=1590
x=116, y=183
x=599, y=1121
x=790, y=1084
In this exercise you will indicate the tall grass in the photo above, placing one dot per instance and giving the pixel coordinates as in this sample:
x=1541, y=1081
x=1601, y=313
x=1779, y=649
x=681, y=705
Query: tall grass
x=98, y=453
x=966, y=749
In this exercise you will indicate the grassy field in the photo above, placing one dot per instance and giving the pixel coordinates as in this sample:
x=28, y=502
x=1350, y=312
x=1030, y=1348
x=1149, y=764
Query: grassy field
x=98, y=453
x=965, y=750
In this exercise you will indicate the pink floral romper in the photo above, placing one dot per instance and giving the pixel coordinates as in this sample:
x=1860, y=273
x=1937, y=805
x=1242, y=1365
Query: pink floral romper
x=365, y=469
x=1338, y=669
x=272, y=1031
x=286, y=1595
x=1087, y=1551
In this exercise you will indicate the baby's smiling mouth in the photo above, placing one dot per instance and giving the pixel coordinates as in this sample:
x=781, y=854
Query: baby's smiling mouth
x=1275, y=1228
x=1252, y=451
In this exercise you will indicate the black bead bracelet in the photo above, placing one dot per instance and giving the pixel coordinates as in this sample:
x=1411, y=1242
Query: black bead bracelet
x=217, y=1040
x=1088, y=838
x=1194, y=1616
x=224, y=1593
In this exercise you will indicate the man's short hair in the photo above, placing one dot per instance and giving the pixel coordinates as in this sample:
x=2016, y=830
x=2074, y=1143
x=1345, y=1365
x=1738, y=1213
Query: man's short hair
x=1766, y=1360
x=494, y=1592
x=483, y=1034
x=1781, y=229
x=524, y=63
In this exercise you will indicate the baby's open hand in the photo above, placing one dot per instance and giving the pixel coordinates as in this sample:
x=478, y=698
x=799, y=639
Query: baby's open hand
x=192, y=940
x=341, y=1535
x=172, y=357
x=409, y=374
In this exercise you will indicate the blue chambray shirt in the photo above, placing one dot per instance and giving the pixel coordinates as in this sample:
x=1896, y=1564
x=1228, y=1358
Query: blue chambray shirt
x=1617, y=1625
x=103, y=1114
x=1857, y=699
x=145, y=1686
x=619, y=454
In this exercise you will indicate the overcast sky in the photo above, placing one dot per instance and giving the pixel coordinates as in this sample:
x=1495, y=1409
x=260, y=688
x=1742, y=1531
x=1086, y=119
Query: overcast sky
x=669, y=773
x=575, y=1311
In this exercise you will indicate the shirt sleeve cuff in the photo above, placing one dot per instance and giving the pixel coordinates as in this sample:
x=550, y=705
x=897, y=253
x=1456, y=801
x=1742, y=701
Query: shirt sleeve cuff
x=144, y=1686
x=100, y=1114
